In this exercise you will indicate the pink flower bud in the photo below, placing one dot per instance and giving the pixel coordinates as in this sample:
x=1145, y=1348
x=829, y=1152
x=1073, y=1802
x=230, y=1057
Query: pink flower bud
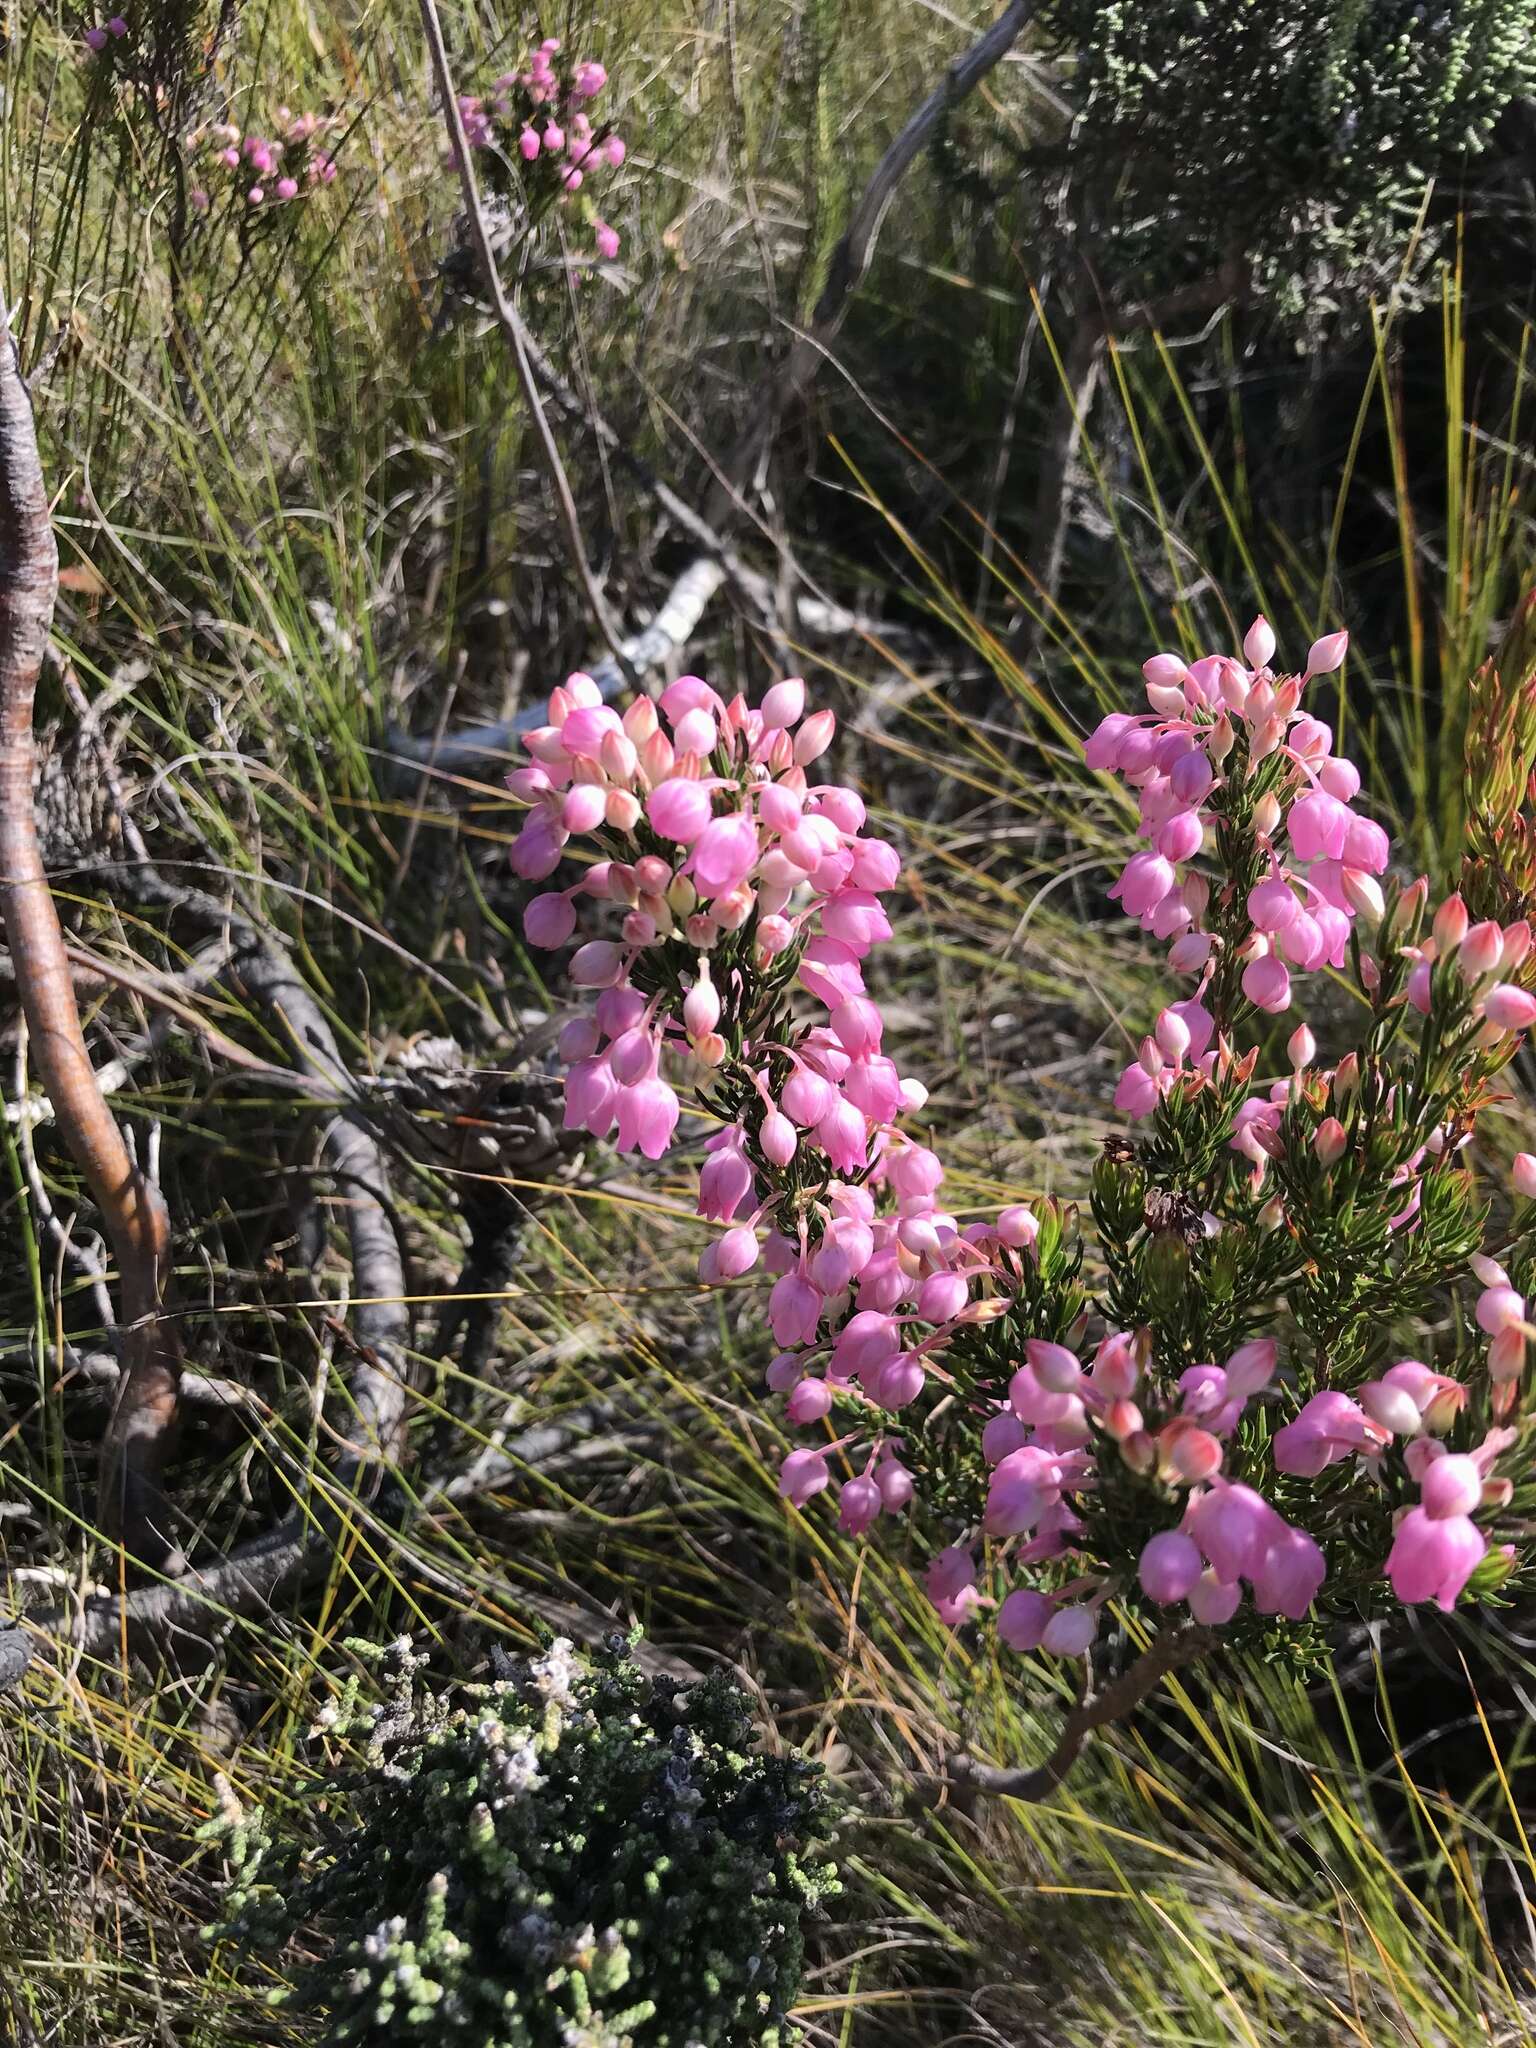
x=1267, y=984
x=1507, y=1007
x=858, y=1025
x=1452, y=1485
x=1327, y=654
x=1070, y=1631
x=1212, y=1602
x=583, y=807
x=1450, y=924
x=1017, y=1226
x=701, y=1005
x=1432, y=1560
x=784, y=704
x=941, y=1296
x=597, y=964
x=1251, y=1367
x=695, y=732
x=803, y=1475
x=1123, y=1420
x=1481, y=950
x=814, y=738
x=1525, y=1175
x=1192, y=1455
x=679, y=809
x=809, y=1401
x=1301, y=1048
x=1166, y=671
x=1258, y=652
x=860, y=1505
x=621, y=810
x=1172, y=1035
x=1498, y=1308
x=1023, y=1619
x=896, y=1485
x=1272, y=905
x=1330, y=1141
x=1392, y=1407
x=1363, y=894
x=736, y=1252
x=777, y=1139
x=1054, y=1366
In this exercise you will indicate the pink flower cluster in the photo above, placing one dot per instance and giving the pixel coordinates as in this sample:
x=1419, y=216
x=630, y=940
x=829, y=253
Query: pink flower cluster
x=104, y=34
x=730, y=890
x=263, y=171
x=712, y=829
x=538, y=117
x=1046, y=1442
x=1226, y=740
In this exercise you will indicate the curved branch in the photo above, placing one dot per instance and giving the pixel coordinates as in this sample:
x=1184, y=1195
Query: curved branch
x=1170, y=1650
x=132, y=1210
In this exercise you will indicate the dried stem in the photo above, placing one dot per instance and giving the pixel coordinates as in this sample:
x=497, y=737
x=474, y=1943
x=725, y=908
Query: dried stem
x=132, y=1209
x=1168, y=1651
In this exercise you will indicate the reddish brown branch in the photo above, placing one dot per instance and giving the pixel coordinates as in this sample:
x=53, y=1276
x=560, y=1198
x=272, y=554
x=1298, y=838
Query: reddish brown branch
x=132, y=1210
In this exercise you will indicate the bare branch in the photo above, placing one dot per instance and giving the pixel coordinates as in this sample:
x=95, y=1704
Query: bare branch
x=144, y=1414
x=257, y=1574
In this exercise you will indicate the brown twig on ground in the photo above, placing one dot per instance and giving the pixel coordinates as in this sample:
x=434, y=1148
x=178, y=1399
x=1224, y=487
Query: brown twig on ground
x=144, y=1415
x=1169, y=1651
x=510, y=322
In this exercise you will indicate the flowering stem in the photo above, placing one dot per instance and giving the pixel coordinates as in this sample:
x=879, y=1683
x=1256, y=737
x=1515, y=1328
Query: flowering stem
x=510, y=323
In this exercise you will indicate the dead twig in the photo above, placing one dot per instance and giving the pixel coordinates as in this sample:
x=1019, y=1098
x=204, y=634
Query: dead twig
x=381, y=1325
x=855, y=250
x=257, y=1574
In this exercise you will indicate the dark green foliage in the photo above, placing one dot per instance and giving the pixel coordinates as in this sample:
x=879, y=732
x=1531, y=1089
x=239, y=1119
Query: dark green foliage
x=1294, y=142
x=572, y=1856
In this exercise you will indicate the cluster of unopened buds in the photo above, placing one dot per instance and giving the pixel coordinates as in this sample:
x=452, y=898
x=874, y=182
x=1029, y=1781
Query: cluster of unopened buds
x=103, y=34
x=538, y=117
x=262, y=170
x=732, y=890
